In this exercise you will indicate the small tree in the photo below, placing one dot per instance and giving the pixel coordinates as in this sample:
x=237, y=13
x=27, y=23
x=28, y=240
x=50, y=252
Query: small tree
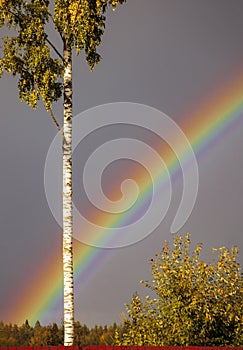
x=194, y=303
x=45, y=72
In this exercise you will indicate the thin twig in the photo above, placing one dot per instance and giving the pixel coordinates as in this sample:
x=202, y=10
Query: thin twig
x=55, y=49
x=52, y=116
x=56, y=123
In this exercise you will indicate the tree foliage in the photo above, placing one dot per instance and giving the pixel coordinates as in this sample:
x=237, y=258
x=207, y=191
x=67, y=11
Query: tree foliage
x=32, y=56
x=193, y=303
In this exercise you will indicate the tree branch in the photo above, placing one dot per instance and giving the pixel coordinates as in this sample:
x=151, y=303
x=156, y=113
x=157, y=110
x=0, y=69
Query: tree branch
x=53, y=117
x=56, y=123
x=54, y=48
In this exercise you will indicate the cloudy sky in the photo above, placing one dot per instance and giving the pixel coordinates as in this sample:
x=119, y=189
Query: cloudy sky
x=175, y=56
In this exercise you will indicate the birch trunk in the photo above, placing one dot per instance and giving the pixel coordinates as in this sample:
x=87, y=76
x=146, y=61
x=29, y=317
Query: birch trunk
x=67, y=201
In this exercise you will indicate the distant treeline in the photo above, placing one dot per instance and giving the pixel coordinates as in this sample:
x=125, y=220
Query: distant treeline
x=26, y=335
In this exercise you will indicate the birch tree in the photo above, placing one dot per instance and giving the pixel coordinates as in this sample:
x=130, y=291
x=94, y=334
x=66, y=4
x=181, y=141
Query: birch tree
x=45, y=72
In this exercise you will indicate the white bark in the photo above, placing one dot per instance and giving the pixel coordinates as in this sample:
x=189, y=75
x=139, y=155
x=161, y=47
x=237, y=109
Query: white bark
x=67, y=202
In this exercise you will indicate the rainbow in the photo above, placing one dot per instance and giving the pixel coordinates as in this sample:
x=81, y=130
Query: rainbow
x=219, y=114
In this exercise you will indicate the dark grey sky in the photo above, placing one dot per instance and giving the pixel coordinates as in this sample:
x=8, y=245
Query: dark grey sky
x=171, y=55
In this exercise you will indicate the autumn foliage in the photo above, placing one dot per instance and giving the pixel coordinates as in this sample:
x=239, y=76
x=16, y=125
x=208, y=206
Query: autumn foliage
x=192, y=302
x=52, y=334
